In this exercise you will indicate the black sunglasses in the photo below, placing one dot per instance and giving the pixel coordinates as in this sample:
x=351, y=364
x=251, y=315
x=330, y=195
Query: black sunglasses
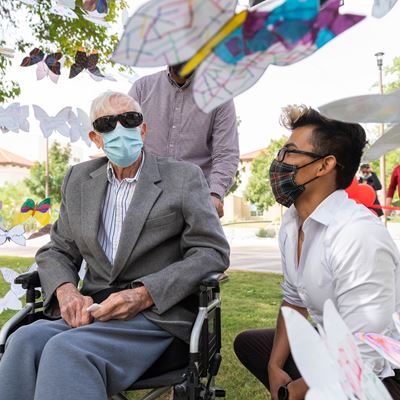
x=108, y=123
x=282, y=153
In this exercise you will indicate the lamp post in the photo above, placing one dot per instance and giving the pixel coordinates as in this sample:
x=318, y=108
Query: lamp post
x=382, y=162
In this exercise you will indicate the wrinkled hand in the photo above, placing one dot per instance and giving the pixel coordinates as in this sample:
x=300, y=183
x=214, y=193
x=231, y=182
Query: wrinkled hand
x=73, y=305
x=124, y=305
x=297, y=389
x=219, y=206
x=277, y=378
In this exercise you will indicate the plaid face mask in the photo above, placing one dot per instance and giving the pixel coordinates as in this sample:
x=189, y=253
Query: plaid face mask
x=283, y=185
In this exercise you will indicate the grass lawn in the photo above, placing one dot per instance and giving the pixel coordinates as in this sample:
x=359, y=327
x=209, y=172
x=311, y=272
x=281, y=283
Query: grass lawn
x=250, y=300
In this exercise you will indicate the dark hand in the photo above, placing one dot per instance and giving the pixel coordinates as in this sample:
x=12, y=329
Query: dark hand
x=124, y=305
x=277, y=378
x=297, y=389
x=219, y=206
x=73, y=305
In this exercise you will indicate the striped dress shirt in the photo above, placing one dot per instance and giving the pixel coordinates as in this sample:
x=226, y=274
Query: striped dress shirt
x=116, y=202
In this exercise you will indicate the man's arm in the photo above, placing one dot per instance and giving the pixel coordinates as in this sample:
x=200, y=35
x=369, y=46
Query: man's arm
x=225, y=149
x=391, y=190
x=203, y=245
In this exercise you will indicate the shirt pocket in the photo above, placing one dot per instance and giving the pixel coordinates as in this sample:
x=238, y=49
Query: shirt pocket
x=157, y=222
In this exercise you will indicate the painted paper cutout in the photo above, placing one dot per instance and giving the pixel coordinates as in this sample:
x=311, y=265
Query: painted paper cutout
x=14, y=118
x=64, y=8
x=233, y=51
x=15, y=234
x=39, y=211
x=382, y=7
x=86, y=61
x=80, y=126
x=370, y=108
x=49, y=125
x=96, y=11
x=330, y=363
x=389, y=141
x=11, y=301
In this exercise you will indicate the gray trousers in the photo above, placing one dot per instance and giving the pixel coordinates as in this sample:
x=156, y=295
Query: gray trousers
x=48, y=360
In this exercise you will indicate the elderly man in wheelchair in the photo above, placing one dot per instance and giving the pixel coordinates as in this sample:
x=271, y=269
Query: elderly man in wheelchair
x=147, y=315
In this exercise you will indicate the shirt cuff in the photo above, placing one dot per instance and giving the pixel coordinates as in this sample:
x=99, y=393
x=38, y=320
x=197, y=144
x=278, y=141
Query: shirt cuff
x=218, y=189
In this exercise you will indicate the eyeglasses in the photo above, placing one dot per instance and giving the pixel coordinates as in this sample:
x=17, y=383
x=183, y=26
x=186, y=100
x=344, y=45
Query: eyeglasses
x=282, y=153
x=108, y=123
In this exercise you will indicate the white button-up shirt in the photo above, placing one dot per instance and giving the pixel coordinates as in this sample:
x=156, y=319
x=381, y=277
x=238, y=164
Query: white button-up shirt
x=349, y=257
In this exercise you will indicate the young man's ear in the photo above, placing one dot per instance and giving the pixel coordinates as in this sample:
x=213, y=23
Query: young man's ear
x=96, y=139
x=328, y=165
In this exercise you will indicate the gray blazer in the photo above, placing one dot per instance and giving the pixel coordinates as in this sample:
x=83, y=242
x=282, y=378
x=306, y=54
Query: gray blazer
x=171, y=238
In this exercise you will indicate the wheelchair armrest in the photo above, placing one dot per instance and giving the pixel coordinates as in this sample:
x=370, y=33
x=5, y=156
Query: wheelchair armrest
x=29, y=280
x=214, y=279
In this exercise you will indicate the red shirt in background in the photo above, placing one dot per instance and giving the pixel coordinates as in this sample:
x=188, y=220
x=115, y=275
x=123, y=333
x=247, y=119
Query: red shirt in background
x=394, y=181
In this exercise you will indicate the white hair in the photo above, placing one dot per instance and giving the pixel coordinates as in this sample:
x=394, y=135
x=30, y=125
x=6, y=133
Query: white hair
x=109, y=103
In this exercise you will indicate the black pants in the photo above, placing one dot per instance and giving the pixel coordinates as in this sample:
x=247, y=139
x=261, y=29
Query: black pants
x=254, y=347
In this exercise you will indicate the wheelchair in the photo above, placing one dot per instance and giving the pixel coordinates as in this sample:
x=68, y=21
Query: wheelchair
x=189, y=370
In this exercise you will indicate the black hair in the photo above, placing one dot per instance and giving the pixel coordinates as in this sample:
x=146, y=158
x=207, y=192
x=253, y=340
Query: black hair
x=343, y=140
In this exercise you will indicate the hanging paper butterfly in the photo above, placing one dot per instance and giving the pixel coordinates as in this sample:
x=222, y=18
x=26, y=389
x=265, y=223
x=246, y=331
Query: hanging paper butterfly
x=96, y=10
x=14, y=118
x=330, y=362
x=46, y=66
x=89, y=62
x=234, y=50
x=64, y=8
x=382, y=7
x=12, y=299
x=58, y=123
x=80, y=126
x=6, y=52
x=40, y=211
x=15, y=234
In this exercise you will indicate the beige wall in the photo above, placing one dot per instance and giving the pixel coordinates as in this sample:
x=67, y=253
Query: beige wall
x=12, y=174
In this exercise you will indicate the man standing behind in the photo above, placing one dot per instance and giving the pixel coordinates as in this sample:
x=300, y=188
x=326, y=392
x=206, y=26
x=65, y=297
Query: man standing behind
x=177, y=128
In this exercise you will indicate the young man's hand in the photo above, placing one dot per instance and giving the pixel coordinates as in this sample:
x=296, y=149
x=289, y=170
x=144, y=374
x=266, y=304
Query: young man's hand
x=297, y=389
x=277, y=378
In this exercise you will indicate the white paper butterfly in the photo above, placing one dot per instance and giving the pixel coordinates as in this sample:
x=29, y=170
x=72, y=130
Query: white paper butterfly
x=58, y=123
x=330, y=363
x=12, y=299
x=14, y=118
x=15, y=234
x=80, y=126
x=382, y=7
x=64, y=8
x=42, y=70
x=7, y=52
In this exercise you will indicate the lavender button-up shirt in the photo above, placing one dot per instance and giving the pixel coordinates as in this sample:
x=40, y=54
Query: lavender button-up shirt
x=177, y=128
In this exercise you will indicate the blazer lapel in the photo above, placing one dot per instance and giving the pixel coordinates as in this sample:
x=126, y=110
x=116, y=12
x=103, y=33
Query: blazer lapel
x=92, y=198
x=146, y=194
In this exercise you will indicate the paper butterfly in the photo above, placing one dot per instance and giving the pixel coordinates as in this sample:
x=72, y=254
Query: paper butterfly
x=6, y=52
x=58, y=123
x=11, y=299
x=29, y=2
x=96, y=11
x=330, y=363
x=14, y=118
x=46, y=66
x=387, y=142
x=45, y=230
x=89, y=62
x=15, y=234
x=370, y=108
x=80, y=126
x=387, y=347
x=40, y=211
x=233, y=51
x=382, y=7
x=64, y=8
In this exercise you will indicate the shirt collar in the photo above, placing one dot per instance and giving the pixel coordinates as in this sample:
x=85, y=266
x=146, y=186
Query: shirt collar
x=173, y=83
x=325, y=211
x=111, y=174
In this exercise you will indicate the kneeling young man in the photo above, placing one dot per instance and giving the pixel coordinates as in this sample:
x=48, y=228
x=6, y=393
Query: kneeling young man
x=331, y=248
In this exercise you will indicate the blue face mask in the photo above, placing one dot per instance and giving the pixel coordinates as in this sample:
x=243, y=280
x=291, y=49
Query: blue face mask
x=123, y=145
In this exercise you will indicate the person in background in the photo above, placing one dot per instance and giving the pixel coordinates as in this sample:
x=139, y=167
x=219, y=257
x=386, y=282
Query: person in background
x=331, y=248
x=368, y=177
x=394, y=181
x=178, y=128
